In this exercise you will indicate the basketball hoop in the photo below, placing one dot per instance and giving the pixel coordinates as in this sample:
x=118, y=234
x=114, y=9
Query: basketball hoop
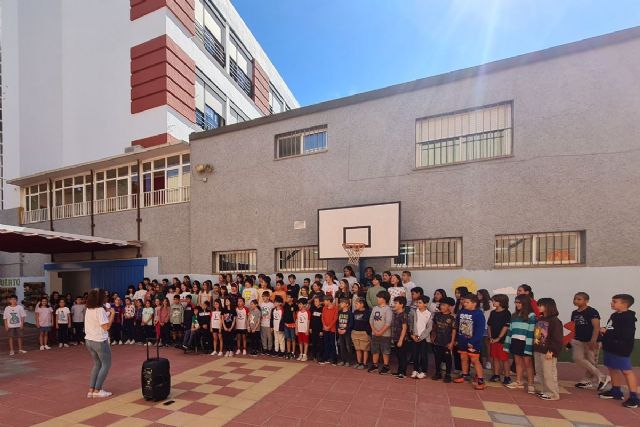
x=354, y=250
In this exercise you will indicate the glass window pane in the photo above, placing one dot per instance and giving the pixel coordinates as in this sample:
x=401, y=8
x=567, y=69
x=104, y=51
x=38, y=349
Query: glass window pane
x=68, y=196
x=186, y=176
x=58, y=198
x=135, y=184
x=158, y=164
x=78, y=195
x=111, y=189
x=58, y=183
x=78, y=180
x=123, y=187
x=100, y=176
x=173, y=178
x=43, y=188
x=44, y=200
x=147, y=182
x=34, y=202
x=186, y=158
x=100, y=191
x=146, y=166
x=158, y=181
x=173, y=161
x=123, y=171
x=111, y=173
x=134, y=169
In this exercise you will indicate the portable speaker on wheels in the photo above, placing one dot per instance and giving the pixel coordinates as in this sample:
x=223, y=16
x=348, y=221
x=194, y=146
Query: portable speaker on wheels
x=156, y=377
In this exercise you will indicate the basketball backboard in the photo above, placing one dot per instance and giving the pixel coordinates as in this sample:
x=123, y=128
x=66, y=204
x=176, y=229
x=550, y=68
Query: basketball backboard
x=375, y=225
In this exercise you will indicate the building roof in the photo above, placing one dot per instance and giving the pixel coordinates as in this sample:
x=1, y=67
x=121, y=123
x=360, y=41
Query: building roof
x=465, y=73
x=113, y=161
x=33, y=240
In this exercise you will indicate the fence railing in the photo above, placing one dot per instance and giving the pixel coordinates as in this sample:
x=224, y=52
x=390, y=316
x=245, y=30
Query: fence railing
x=111, y=204
x=240, y=77
x=211, y=44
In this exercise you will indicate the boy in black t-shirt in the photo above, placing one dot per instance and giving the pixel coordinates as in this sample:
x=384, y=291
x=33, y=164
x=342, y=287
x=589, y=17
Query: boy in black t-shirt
x=288, y=317
x=442, y=334
x=315, y=329
x=498, y=326
x=584, y=346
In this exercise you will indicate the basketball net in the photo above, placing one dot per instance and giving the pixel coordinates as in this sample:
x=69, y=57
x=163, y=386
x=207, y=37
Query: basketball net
x=354, y=250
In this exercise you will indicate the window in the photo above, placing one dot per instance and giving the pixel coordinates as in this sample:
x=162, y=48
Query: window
x=166, y=180
x=276, y=104
x=560, y=248
x=431, y=253
x=36, y=197
x=209, y=30
x=243, y=261
x=210, y=104
x=235, y=115
x=482, y=133
x=300, y=259
x=240, y=67
x=299, y=142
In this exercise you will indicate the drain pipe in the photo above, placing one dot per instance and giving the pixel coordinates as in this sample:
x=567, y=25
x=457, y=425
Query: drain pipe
x=93, y=223
x=138, y=218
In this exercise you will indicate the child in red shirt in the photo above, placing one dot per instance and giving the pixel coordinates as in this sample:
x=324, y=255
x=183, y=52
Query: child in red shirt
x=329, y=319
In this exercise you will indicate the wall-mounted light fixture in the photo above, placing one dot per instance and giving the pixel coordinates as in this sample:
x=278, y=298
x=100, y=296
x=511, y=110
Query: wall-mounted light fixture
x=204, y=169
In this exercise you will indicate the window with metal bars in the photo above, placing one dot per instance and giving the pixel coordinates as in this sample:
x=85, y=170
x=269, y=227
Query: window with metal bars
x=241, y=261
x=303, y=258
x=429, y=253
x=558, y=248
x=481, y=133
x=304, y=141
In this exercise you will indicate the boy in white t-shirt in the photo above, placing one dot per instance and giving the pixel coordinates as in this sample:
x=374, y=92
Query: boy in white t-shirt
x=63, y=324
x=44, y=322
x=14, y=316
x=302, y=328
x=266, y=332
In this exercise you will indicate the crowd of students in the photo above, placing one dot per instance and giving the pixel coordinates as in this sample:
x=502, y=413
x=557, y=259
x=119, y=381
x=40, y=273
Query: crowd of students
x=360, y=324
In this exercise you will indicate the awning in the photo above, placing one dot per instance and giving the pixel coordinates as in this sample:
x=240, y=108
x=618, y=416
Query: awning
x=33, y=240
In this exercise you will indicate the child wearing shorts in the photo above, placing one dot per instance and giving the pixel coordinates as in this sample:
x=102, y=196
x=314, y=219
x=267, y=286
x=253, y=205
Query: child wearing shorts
x=381, y=318
x=242, y=313
x=498, y=326
x=470, y=326
x=44, y=320
x=361, y=333
x=617, y=343
x=302, y=329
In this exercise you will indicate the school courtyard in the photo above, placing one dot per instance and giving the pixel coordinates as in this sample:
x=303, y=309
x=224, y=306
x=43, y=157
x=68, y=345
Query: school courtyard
x=47, y=388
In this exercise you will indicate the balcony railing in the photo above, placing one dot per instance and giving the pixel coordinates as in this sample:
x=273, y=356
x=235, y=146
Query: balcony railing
x=211, y=44
x=240, y=77
x=111, y=204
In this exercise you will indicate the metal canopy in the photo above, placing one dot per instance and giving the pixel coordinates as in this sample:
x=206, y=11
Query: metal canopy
x=33, y=240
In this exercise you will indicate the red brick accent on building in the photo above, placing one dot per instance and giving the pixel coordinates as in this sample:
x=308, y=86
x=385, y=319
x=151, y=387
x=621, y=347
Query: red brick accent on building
x=162, y=74
x=183, y=10
x=152, y=141
x=261, y=89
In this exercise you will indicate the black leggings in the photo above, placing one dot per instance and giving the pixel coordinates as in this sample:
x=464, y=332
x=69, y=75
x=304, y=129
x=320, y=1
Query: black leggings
x=229, y=339
x=442, y=355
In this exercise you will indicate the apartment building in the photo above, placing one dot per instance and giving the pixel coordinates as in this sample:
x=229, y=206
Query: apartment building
x=130, y=74
x=522, y=170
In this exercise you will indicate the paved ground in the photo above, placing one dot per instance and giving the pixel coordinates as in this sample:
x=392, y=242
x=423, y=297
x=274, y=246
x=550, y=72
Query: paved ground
x=48, y=388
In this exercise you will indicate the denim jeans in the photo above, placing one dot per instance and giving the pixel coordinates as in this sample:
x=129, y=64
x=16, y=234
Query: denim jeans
x=101, y=353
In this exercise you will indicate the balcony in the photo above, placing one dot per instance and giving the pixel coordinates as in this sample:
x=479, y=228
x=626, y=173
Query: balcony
x=211, y=44
x=240, y=77
x=111, y=204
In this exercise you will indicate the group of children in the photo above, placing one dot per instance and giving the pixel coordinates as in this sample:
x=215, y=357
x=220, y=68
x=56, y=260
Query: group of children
x=346, y=323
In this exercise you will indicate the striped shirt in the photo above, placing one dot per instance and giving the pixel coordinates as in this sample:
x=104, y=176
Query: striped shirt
x=521, y=329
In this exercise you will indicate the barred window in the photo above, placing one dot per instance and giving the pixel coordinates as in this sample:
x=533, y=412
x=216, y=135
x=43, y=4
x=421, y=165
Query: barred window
x=242, y=261
x=559, y=248
x=429, y=253
x=483, y=133
x=305, y=141
x=300, y=259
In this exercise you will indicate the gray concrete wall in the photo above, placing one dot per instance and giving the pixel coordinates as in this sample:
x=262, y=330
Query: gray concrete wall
x=574, y=167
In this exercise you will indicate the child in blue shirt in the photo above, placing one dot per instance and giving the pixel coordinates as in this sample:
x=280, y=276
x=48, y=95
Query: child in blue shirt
x=470, y=326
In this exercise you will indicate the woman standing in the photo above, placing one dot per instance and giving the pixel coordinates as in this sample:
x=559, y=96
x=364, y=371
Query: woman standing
x=97, y=322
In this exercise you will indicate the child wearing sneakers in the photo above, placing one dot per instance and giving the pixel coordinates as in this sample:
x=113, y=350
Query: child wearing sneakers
x=242, y=313
x=343, y=329
x=277, y=325
x=584, y=345
x=498, y=326
x=470, y=327
x=44, y=319
x=302, y=328
x=127, y=322
x=442, y=337
x=77, y=317
x=229, y=316
x=254, y=328
x=617, y=343
x=266, y=331
x=14, y=316
x=176, y=318
x=519, y=342
x=381, y=317
x=63, y=323
x=329, y=320
x=547, y=344
x=289, y=319
x=399, y=332
x=361, y=333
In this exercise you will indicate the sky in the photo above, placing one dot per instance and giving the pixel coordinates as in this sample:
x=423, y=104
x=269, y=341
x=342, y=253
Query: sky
x=326, y=49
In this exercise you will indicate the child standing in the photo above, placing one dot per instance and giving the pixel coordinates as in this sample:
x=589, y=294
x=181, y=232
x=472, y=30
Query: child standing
x=399, y=331
x=164, y=315
x=228, y=326
x=127, y=322
x=442, y=337
x=302, y=328
x=14, y=316
x=138, y=327
x=498, y=327
x=44, y=319
x=77, y=317
x=584, y=346
x=277, y=325
x=176, y=318
x=547, y=344
x=63, y=323
x=421, y=324
x=216, y=328
x=116, y=326
x=470, y=326
x=344, y=326
x=254, y=327
x=361, y=333
x=329, y=319
x=315, y=329
x=381, y=317
x=266, y=330
x=617, y=343
x=289, y=319
x=241, y=327
x=519, y=342
x=147, y=322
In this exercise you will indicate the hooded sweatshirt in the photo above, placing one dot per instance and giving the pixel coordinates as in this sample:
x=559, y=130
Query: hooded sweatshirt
x=547, y=335
x=621, y=330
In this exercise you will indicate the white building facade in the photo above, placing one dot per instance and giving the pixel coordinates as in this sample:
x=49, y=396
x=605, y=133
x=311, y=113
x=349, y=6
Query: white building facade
x=87, y=79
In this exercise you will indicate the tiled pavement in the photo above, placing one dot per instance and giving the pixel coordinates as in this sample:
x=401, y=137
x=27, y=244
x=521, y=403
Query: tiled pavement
x=48, y=388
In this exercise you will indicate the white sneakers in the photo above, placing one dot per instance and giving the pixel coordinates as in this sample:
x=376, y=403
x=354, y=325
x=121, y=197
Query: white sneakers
x=66, y=345
x=414, y=374
x=46, y=347
x=219, y=353
x=101, y=393
x=238, y=351
x=244, y=352
x=42, y=348
x=60, y=345
x=304, y=358
x=214, y=353
x=12, y=353
x=421, y=376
